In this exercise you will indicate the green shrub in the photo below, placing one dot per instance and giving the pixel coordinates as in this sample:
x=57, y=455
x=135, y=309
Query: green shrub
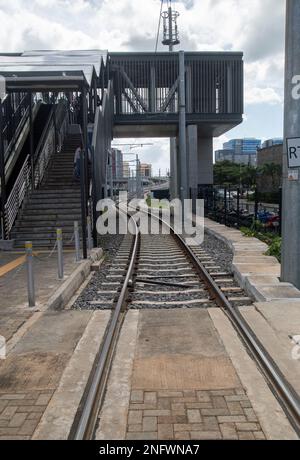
x=275, y=248
x=273, y=241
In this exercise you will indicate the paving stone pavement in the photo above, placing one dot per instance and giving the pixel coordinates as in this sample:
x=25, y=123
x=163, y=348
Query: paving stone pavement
x=20, y=413
x=195, y=415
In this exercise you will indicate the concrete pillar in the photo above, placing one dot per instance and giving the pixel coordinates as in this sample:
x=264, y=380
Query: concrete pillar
x=174, y=190
x=290, y=264
x=205, y=161
x=178, y=174
x=192, y=154
x=182, y=129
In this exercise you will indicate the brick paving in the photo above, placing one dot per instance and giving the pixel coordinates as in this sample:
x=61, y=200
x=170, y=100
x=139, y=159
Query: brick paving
x=20, y=413
x=195, y=415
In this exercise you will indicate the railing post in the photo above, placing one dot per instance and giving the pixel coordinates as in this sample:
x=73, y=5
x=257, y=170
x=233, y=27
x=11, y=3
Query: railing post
x=2, y=175
x=255, y=208
x=30, y=274
x=225, y=206
x=77, y=241
x=238, y=207
x=60, y=256
x=89, y=233
x=83, y=204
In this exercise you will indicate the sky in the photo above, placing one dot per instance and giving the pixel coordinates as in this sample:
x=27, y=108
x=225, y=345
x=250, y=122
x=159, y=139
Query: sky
x=255, y=27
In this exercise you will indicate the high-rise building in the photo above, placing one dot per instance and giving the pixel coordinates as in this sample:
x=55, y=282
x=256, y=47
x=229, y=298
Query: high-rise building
x=243, y=146
x=117, y=164
x=241, y=151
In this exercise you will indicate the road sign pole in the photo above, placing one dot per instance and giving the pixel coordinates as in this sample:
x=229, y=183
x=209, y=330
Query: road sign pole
x=290, y=263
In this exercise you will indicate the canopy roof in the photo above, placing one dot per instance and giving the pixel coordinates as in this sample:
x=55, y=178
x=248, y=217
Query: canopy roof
x=57, y=69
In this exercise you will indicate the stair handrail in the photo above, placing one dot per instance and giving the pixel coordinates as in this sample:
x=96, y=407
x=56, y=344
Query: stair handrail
x=14, y=121
x=46, y=147
x=17, y=196
x=23, y=183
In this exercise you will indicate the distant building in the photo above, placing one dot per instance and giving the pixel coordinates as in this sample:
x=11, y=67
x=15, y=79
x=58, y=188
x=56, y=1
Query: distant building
x=126, y=169
x=117, y=164
x=240, y=151
x=246, y=146
x=271, y=142
x=269, y=155
x=146, y=170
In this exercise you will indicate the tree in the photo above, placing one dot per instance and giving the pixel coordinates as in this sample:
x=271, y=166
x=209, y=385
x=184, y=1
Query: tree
x=272, y=170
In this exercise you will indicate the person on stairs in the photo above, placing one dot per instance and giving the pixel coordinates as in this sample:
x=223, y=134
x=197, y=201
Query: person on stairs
x=77, y=157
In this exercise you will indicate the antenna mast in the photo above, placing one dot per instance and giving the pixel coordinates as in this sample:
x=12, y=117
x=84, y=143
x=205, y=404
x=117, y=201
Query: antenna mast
x=170, y=28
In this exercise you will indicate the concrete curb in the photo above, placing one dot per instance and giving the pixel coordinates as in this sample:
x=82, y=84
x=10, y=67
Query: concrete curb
x=256, y=272
x=66, y=291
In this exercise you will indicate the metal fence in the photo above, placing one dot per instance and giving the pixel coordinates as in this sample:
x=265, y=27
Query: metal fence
x=235, y=207
x=149, y=82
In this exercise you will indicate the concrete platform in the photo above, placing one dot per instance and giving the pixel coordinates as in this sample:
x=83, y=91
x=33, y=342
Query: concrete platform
x=257, y=273
x=41, y=342
x=174, y=378
x=275, y=323
x=275, y=318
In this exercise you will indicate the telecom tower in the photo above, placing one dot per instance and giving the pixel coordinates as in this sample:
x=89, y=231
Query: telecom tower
x=171, y=39
x=170, y=28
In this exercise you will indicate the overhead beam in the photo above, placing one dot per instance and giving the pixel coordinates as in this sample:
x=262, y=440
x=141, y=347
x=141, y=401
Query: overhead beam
x=130, y=102
x=169, y=96
x=133, y=89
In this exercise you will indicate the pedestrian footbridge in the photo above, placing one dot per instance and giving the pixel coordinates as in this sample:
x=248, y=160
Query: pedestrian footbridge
x=53, y=100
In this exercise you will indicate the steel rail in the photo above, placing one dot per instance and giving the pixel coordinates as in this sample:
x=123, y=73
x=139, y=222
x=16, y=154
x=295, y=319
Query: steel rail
x=284, y=392
x=84, y=425
x=282, y=389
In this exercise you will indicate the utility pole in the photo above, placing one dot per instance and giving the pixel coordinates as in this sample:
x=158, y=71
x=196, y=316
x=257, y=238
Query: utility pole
x=290, y=264
x=171, y=39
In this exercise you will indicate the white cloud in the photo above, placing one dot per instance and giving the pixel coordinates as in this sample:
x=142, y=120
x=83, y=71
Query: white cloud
x=255, y=27
x=263, y=96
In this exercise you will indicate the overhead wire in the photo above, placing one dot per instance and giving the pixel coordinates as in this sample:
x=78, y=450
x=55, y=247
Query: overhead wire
x=158, y=28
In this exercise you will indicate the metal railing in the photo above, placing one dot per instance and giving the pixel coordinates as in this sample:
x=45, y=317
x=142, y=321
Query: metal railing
x=15, y=109
x=234, y=207
x=17, y=195
x=43, y=155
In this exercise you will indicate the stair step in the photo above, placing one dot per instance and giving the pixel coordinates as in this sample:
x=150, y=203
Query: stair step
x=46, y=228
x=50, y=235
x=53, y=207
x=39, y=244
x=53, y=201
x=42, y=216
x=61, y=190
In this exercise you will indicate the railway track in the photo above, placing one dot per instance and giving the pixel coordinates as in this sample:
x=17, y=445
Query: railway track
x=162, y=271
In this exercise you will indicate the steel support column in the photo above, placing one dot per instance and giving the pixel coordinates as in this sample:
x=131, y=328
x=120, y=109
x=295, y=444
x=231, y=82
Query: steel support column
x=290, y=262
x=182, y=129
x=84, y=164
x=55, y=122
x=31, y=134
x=2, y=176
x=85, y=139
